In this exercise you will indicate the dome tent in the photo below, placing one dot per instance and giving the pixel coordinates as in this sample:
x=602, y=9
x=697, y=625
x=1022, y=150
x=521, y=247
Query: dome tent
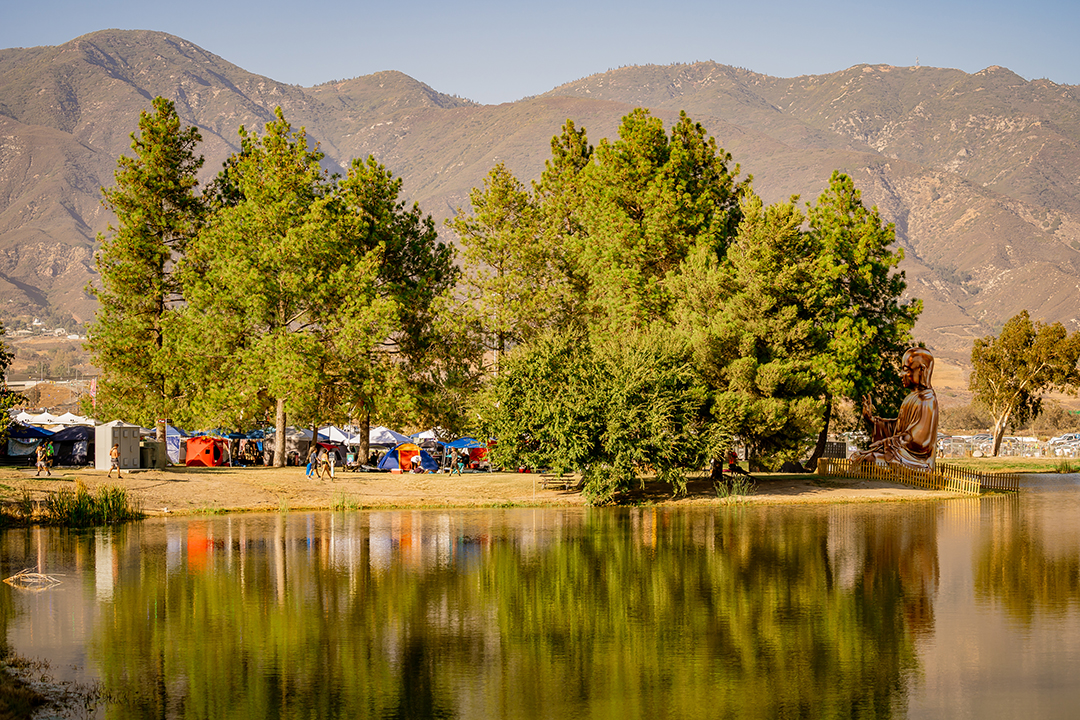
x=400, y=458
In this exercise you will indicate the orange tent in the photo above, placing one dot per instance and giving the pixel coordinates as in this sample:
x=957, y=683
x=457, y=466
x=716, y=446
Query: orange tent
x=204, y=451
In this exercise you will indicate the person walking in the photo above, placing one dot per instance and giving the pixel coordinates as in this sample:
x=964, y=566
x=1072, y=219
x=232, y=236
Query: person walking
x=42, y=464
x=114, y=460
x=312, y=458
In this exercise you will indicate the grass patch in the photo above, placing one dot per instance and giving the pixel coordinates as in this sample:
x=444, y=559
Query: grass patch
x=1065, y=466
x=81, y=508
x=343, y=502
x=1004, y=464
x=735, y=487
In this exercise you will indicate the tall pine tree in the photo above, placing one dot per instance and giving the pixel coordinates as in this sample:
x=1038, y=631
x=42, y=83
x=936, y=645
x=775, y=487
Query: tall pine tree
x=158, y=212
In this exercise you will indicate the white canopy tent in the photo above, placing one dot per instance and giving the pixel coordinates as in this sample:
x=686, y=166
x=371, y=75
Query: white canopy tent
x=338, y=435
x=47, y=418
x=386, y=437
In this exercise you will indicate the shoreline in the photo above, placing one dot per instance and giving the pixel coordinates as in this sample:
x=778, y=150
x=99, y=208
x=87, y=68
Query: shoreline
x=201, y=491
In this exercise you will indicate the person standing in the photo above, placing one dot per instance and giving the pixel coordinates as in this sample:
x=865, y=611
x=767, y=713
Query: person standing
x=114, y=460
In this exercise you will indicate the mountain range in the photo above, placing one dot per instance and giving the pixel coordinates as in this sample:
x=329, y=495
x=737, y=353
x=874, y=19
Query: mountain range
x=980, y=173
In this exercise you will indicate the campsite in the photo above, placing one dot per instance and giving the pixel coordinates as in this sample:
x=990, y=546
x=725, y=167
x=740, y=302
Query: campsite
x=83, y=442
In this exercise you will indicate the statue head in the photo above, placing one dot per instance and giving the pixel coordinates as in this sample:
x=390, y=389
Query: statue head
x=916, y=368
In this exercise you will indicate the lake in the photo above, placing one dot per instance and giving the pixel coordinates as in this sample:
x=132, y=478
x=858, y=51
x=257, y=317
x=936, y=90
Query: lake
x=959, y=608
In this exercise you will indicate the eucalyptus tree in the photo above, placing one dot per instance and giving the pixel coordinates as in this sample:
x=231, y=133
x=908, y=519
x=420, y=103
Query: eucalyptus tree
x=1012, y=371
x=158, y=212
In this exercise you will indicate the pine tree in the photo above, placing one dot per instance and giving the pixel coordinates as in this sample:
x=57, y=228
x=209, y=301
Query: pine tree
x=857, y=300
x=158, y=213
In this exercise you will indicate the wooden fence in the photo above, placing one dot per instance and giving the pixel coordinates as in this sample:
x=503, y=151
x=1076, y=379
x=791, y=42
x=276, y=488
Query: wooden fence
x=942, y=477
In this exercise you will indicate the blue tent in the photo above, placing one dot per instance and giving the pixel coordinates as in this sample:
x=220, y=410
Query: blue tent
x=465, y=442
x=24, y=439
x=390, y=460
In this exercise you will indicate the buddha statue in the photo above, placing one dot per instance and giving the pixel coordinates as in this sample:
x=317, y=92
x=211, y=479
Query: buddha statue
x=909, y=440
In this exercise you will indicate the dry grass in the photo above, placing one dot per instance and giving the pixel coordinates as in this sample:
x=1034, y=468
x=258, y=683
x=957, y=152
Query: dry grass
x=191, y=491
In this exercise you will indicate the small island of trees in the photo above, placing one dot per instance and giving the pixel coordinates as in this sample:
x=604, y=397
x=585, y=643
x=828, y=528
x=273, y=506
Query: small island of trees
x=635, y=309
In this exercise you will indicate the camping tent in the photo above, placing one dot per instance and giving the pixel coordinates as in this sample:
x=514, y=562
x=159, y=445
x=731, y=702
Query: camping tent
x=470, y=447
x=174, y=440
x=74, y=445
x=465, y=442
x=207, y=451
x=401, y=458
x=385, y=436
x=70, y=418
x=336, y=435
x=24, y=439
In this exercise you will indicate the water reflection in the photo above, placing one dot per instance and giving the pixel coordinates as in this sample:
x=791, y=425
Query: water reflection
x=560, y=613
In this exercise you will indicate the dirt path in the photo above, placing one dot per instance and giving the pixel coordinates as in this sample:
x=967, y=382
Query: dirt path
x=212, y=490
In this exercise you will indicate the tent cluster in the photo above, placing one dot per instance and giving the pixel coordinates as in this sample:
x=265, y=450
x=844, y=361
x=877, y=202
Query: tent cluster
x=75, y=438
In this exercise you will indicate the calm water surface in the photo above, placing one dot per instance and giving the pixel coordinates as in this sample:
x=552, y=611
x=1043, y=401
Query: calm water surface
x=950, y=609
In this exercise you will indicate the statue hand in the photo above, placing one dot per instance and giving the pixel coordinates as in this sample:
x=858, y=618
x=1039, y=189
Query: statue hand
x=867, y=408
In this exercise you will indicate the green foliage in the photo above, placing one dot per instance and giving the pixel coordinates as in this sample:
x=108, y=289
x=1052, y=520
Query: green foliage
x=80, y=508
x=1011, y=372
x=308, y=296
x=735, y=487
x=506, y=266
x=647, y=200
x=774, y=313
x=614, y=411
x=158, y=213
x=856, y=295
x=752, y=332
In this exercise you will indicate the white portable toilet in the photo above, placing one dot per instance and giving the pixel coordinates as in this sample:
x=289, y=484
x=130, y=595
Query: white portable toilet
x=116, y=433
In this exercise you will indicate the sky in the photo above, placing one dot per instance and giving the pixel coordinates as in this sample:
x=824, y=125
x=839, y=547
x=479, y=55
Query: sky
x=495, y=51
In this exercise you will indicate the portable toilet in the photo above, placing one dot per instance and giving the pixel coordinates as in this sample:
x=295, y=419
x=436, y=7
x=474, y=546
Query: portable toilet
x=116, y=433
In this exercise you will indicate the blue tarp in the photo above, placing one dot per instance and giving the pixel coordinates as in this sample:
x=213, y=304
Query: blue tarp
x=27, y=432
x=24, y=439
x=465, y=442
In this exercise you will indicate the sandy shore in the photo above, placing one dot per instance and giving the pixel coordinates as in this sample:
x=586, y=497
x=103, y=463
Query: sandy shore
x=185, y=491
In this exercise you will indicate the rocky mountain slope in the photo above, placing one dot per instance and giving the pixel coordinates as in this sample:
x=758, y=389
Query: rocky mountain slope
x=979, y=172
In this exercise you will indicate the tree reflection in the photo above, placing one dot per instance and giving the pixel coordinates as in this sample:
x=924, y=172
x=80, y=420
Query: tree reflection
x=1028, y=558
x=555, y=613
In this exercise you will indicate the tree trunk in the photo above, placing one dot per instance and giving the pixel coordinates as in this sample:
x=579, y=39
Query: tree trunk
x=999, y=431
x=279, y=437
x=365, y=432
x=823, y=437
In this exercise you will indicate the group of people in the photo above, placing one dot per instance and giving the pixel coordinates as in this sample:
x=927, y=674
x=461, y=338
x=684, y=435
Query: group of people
x=46, y=453
x=320, y=460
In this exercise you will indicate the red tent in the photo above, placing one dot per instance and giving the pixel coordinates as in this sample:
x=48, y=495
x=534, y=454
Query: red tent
x=205, y=451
